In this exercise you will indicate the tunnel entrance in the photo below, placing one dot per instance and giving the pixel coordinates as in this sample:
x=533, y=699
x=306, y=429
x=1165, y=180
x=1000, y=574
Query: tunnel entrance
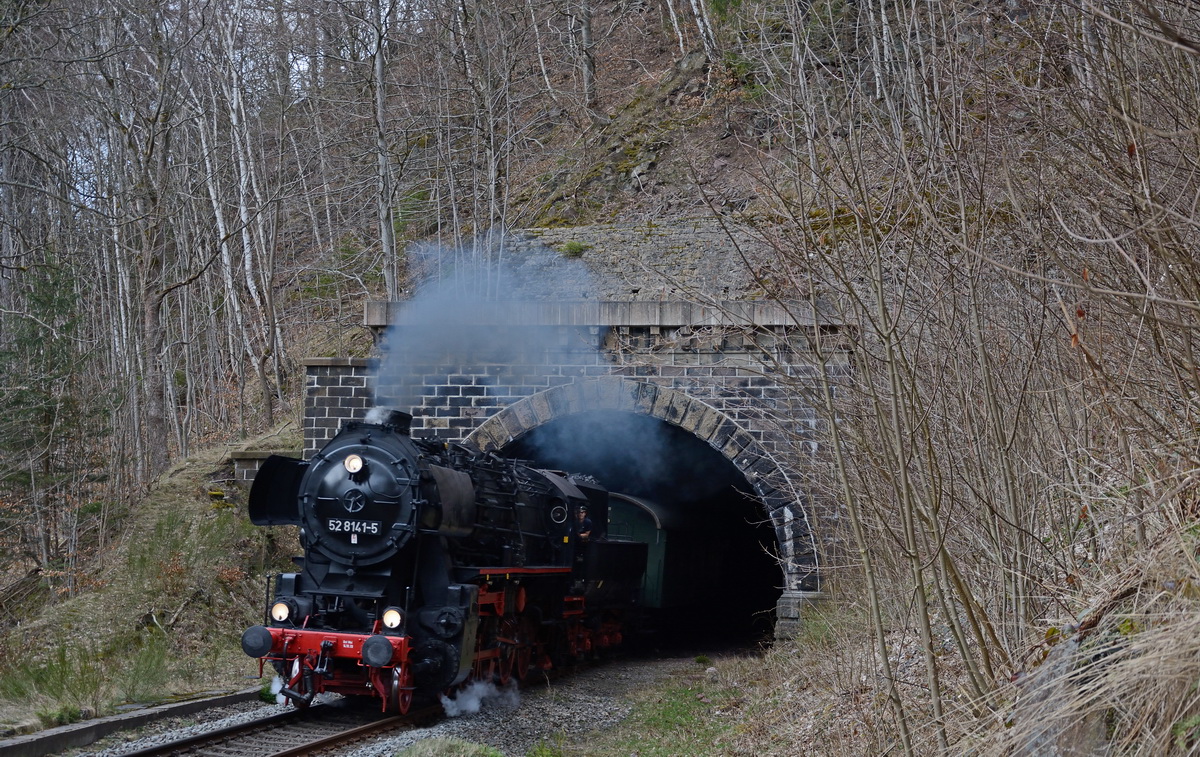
x=718, y=579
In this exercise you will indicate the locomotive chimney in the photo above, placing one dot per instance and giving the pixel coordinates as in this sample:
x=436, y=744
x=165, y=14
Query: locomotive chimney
x=399, y=420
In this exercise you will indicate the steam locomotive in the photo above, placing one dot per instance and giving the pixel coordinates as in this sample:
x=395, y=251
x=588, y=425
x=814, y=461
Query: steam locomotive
x=428, y=565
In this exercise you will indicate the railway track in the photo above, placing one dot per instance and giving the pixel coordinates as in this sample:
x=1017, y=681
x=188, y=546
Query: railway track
x=315, y=730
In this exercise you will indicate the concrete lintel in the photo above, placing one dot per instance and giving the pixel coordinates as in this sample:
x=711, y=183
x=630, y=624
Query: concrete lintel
x=671, y=313
x=339, y=362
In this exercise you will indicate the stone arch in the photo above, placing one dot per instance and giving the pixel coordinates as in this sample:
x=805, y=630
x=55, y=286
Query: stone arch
x=787, y=507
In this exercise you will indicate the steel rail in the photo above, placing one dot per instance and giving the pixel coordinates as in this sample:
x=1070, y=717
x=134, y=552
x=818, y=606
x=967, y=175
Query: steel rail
x=317, y=717
x=353, y=734
x=182, y=746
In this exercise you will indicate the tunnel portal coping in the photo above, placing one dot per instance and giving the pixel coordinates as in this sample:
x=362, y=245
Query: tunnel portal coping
x=666, y=313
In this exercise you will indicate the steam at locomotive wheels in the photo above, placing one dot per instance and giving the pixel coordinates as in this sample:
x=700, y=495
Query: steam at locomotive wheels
x=427, y=565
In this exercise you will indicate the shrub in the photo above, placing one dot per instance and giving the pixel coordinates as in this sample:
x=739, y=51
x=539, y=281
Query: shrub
x=573, y=248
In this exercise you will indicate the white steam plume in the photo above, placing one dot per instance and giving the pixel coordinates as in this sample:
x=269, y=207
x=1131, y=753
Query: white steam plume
x=472, y=699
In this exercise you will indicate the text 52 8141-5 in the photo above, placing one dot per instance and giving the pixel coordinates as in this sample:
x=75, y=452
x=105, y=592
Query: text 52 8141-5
x=343, y=526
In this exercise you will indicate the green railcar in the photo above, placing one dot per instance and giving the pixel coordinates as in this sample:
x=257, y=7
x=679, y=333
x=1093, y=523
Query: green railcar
x=685, y=556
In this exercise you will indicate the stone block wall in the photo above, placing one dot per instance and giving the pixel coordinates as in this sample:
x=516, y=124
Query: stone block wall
x=339, y=390
x=760, y=380
x=246, y=464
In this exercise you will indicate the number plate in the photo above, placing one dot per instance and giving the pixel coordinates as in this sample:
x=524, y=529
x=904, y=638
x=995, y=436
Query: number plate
x=344, y=526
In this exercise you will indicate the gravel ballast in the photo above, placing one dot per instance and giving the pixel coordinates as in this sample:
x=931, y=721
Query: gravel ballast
x=510, y=720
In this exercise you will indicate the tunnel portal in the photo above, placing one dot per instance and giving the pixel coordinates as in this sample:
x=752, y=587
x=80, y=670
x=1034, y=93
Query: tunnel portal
x=726, y=386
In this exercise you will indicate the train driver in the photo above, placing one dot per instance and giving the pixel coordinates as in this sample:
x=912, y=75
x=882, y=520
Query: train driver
x=583, y=524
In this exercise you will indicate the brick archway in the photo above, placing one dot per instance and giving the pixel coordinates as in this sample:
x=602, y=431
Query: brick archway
x=786, y=506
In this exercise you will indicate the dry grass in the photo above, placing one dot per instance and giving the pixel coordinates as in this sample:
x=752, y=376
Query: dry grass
x=1120, y=675
x=1122, y=678
x=448, y=747
x=820, y=693
x=176, y=592
x=826, y=688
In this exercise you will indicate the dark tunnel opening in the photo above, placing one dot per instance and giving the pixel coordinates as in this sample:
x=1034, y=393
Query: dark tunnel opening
x=716, y=574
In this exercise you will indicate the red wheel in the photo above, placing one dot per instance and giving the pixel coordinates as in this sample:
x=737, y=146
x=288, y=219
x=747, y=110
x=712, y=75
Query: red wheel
x=523, y=654
x=400, y=695
x=296, y=684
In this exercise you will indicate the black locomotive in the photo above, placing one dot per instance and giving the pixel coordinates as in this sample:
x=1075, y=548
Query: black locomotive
x=428, y=565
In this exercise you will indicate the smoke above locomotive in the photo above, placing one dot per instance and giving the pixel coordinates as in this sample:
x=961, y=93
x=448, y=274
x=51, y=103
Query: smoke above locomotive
x=463, y=307
x=468, y=312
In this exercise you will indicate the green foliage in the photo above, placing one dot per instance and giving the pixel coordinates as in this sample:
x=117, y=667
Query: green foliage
x=42, y=396
x=573, y=248
x=545, y=749
x=353, y=265
x=1128, y=626
x=409, y=211
x=744, y=72
x=830, y=27
x=703, y=659
x=64, y=715
x=1184, y=732
x=93, y=508
x=724, y=7
x=264, y=690
x=52, y=429
x=70, y=681
x=145, y=672
x=1193, y=530
x=677, y=720
x=155, y=561
x=818, y=629
x=62, y=683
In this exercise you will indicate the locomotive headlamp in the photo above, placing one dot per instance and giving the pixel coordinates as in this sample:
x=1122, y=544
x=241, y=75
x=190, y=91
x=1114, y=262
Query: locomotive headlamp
x=393, y=617
x=353, y=464
x=280, y=611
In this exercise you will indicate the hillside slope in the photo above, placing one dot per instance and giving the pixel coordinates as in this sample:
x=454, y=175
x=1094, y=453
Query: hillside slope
x=170, y=601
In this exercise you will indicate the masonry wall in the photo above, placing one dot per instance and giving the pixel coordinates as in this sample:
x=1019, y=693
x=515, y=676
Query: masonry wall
x=758, y=378
x=339, y=390
x=761, y=380
x=247, y=462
